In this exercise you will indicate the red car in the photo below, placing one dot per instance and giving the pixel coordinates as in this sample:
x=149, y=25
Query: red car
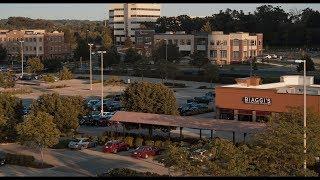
x=145, y=152
x=115, y=146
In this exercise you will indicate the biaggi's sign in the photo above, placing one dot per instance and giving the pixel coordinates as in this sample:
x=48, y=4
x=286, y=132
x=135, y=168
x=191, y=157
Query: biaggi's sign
x=257, y=100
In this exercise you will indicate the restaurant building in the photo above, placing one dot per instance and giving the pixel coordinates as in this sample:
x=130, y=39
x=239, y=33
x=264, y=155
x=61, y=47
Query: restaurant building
x=250, y=100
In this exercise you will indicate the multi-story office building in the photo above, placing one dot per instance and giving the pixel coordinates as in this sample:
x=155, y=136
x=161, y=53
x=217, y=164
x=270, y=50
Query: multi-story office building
x=144, y=41
x=184, y=41
x=55, y=45
x=36, y=43
x=234, y=47
x=126, y=18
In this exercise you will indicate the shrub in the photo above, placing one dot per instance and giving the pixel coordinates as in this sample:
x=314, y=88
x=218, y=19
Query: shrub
x=129, y=140
x=65, y=74
x=63, y=144
x=114, y=81
x=138, y=142
x=7, y=80
x=102, y=139
x=57, y=86
x=149, y=143
x=166, y=143
x=49, y=78
x=158, y=144
x=121, y=172
x=19, y=159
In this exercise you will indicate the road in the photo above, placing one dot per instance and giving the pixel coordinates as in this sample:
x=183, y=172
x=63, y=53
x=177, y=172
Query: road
x=87, y=162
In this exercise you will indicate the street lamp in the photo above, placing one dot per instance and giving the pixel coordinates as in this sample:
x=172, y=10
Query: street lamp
x=304, y=113
x=102, y=52
x=21, y=57
x=90, y=67
x=166, y=49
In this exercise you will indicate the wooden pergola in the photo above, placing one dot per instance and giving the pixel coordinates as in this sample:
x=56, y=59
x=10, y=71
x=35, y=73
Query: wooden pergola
x=189, y=122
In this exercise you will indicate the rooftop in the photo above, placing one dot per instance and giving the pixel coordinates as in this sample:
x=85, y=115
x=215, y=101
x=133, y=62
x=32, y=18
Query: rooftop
x=288, y=84
x=188, y=122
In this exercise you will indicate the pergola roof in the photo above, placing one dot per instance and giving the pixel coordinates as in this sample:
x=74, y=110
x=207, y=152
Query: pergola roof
x=188, y=122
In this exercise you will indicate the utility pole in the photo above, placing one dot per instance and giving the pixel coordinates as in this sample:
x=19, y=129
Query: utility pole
x=90, y=67
x=166, y=49
x=102, y=52
x=304, y=117
x=21, y=57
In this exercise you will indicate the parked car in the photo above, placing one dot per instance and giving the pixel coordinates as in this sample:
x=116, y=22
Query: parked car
x=145, y=152
x=2, y=158
x=81, y=143
x=92, y=103
x=26, y=77
x=25, y=110
x=106, y=103
x=96, y=119
x=267, y=56
x=208, y=97
x=115, y=146
x=274, y=56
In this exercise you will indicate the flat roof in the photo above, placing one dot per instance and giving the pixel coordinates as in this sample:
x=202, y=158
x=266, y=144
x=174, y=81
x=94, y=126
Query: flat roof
x=188, y=122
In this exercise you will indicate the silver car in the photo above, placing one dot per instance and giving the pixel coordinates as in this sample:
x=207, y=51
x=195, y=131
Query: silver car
x=81, y=143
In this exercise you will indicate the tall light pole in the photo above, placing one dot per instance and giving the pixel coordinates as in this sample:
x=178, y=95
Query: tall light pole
x=21, y=47
x=102, y=52
x=304, y=114
x=90, y=67
x=166, y=49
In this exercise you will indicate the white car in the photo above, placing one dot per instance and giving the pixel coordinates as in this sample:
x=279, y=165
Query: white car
x=273, y=56
x=81, y=143
x=267, y=56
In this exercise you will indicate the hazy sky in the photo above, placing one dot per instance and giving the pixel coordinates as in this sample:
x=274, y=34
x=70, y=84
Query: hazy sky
x=98, y=11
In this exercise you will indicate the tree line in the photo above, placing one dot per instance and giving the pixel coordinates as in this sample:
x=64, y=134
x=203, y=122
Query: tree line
x=296, y=28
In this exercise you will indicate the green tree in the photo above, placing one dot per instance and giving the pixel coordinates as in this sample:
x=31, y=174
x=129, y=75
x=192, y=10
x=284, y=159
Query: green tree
x=141, y=66
x=3, y=52
x=38, y=131
x=279, y=150
x=52, y=65
x=111, y=57
x=132, y=56
x=7, y=79
x=82, y=50
x=207, y=27
x=10, y=115
x=199, y=59
x=162, y=66
x=309, y=63
x=172, y=71
x=150, y=98
x=159, y=52
x=211, y=72
x=35, y=65
x=65, y=74
x=106, y=38
x=128, y=43
x=65, y=110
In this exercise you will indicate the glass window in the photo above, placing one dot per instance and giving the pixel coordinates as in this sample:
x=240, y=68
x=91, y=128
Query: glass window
x=211, y=42
x=236, y=42
x=30, y=39
x=139, y=40
x=259, y=43
x=40, y=39
x=223, y=53
x=170, y=41
x=225, y=43
x=34, y=48
x=236, y=54
x=213, y=53
x=182, y=42
x=40, y=48
x=188, y=41
x=148, y=39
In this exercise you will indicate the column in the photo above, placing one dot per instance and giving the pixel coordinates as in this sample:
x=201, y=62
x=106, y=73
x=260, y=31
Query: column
x=254, y=116
x=217, y=113
x=236, y=115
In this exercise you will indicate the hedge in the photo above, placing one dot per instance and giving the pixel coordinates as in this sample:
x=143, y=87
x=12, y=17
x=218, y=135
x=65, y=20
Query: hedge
x=119, y=172
x=24, y=160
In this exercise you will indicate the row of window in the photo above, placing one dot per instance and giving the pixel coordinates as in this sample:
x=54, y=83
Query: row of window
x=117, y=22
x=20, y=39
x=140, y=40
x=30, y=48
x=55, y=39
x=145, y=9
x=138, y=15
x=56, y=48
x=236, y=54
x=175, y=41
x=236, y=42
x=116, y=16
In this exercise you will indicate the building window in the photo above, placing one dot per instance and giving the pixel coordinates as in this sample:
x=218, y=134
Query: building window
x=40, y=48
x=145, y=9
x=117, y=16
x=182, y=42
x=188, y=41
x=34, y=48
x=236, y=54
x=245, y=42
x=236, y=42
x=40, y=39
x=175, y=41
x=34, y=40
x=252, y=42
x=225, y=43
x=213, y=53
x=135, y=15
x=26, y=48
x=223, y=54
x=212, y=43
x=30, y=39
x=51, y=48
x=170, y=41
x=119, y=29
x=245, y=54
x=118, y=9
x=139, y=40
x=259, y=43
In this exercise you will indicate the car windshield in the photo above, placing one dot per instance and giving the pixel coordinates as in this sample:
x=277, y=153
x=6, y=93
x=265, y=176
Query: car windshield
x=76, y=140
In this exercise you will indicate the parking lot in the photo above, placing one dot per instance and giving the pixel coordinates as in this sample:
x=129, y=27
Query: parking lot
x=87, y=162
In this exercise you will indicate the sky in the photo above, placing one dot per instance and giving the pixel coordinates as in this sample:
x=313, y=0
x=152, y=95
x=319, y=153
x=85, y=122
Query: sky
x=98, y=11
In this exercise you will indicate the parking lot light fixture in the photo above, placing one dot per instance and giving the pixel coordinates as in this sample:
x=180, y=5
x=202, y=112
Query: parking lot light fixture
x=90, y=66
x=102, y=52
x=21, y=47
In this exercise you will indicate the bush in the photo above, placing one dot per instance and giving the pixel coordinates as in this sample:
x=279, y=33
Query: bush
x=138, y=142
x=158, y=144
x=19, y=159
x=121, y=172
x=102, y=139
x=49, y=78
x=63, y=144
x=57, y=86
x=65, y=74
x=129, y=140
x=114, y=81
x=149, y=143
x=7, y=80
x=166, y=143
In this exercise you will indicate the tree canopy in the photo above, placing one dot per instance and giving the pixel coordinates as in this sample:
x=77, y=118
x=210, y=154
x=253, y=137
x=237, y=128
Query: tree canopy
x=159, y=52
x=3, y=52
x=309, y=63
x=35, y=65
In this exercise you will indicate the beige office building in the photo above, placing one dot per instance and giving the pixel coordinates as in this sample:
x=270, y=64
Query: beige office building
x=234, y=47
x=125, y=18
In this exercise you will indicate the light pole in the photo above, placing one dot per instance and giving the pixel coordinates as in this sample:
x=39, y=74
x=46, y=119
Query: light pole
x=304, y=114
x=21, y=57
x=90, y=67
x=166, y=49
x=102, y=52
x=250, y=49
